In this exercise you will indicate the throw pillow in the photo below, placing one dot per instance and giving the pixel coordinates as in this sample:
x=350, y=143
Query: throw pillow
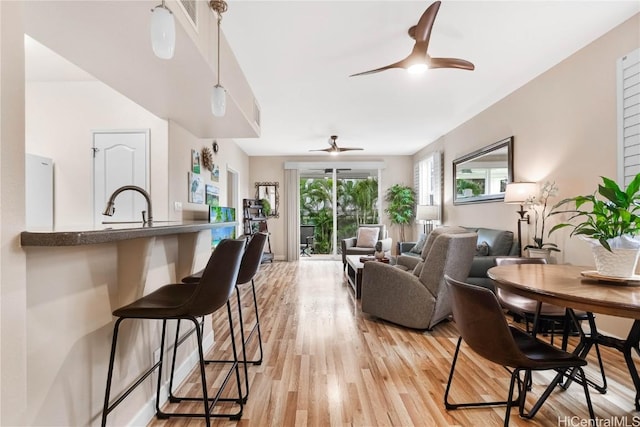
x=418, y=269
x=482, y=249
x=417, y=248
x=367, y=237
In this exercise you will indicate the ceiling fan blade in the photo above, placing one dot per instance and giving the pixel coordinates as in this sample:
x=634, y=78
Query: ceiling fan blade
x=324, y=149
x=349, y=149
x=451, y=63
x=425, y=24
x=399, y=64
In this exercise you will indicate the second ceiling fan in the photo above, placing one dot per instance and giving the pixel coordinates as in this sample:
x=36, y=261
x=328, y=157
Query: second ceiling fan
x=334, y=149
x=419, y=60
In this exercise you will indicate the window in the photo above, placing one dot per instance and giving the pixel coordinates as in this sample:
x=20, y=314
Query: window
x=427, y=180
x=628, y=116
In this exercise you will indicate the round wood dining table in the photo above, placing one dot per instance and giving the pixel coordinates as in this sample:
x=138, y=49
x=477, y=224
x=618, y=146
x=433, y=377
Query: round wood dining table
x=565, y=286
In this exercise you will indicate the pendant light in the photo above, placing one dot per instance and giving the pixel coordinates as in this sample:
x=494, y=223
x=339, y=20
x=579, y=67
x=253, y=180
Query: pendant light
x=218, y=93
x=163, y=31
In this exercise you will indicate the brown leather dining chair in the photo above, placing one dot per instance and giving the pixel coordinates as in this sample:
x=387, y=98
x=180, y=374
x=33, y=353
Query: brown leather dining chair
x=178, y=302
x=549, y=313
x=526, y=307
x=476, y=310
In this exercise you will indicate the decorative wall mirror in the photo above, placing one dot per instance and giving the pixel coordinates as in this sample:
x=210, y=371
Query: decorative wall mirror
x=482, y=176
x=267, y=194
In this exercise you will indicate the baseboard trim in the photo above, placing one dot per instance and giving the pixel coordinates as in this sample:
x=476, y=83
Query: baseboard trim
x=148, y=411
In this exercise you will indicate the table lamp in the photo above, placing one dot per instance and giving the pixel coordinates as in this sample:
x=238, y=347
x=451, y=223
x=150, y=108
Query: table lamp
x=426, y=214
x=518, y=193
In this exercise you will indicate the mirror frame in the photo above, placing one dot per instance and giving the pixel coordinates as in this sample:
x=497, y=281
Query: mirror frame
x=507, y=142
x=275, y=212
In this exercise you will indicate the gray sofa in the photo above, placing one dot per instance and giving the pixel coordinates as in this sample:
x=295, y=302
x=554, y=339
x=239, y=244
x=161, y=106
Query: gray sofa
x=498, y=243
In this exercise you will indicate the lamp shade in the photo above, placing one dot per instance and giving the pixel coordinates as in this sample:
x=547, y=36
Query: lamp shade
x=427, y=212
x=163, y=32
x=519, y=192
x=218, y=101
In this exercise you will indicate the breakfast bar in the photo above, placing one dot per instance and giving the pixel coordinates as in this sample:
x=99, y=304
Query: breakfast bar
x=76, y=276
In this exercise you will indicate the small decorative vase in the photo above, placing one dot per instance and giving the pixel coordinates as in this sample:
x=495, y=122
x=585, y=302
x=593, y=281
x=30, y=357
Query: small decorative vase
x=379, y=255
x=617, y=263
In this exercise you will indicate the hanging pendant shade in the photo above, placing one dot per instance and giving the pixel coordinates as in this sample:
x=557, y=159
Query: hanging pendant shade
x=163, y=32
x=218, y=101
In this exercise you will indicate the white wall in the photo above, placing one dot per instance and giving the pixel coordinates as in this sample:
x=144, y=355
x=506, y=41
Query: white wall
x=60, y=117
x=564, y=124
x=229, y=156
x=13, y=339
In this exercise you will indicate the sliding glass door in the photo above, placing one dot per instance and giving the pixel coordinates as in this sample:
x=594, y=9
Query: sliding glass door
x=336, y=202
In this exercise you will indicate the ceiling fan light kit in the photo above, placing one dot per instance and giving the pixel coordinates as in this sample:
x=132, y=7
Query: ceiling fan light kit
x=218, y=93
x=417, y=68
x=163, y=31
x=419, y=60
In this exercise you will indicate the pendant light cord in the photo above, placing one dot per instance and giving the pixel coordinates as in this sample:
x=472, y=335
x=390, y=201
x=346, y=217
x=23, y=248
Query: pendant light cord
x=219, y=22
x=220, y=6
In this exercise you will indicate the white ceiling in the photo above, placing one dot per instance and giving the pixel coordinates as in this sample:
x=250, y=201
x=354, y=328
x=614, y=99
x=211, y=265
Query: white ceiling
x=297, y=56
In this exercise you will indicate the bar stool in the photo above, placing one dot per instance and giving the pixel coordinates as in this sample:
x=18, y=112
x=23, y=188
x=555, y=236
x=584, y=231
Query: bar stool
x=186, y=302
x=249, y=266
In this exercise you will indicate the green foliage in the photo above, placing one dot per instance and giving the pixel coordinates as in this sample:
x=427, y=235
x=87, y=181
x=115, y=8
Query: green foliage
x=266, y=207
x=613, y=214
x=356, y=201
x=463, y=184
x=401, y=207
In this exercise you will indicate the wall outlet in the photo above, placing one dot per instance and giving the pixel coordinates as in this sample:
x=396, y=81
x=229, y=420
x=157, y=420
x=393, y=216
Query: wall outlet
x=177, y=206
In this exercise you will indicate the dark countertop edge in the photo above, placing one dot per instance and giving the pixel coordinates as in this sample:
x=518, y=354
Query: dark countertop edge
x=91, y=237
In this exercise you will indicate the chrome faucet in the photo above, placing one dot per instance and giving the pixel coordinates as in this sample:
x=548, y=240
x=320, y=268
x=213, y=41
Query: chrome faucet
x=110, y=209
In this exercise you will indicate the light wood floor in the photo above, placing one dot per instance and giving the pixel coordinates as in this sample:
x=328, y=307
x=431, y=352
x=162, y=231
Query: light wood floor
x=327, y=363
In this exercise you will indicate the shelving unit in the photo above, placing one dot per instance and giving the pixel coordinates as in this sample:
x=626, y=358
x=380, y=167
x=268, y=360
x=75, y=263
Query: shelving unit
x=254, y=221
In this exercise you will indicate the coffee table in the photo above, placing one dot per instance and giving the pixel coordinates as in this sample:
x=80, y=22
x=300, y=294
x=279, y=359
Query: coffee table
x=354, y=274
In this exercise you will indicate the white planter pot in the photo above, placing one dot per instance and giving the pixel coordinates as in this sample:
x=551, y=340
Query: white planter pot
x=618, y=263
x=539, y=253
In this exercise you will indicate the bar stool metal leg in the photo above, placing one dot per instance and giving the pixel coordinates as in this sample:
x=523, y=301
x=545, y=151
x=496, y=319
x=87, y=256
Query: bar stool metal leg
x=106, y=409
x=256, y=326
x=234, y=367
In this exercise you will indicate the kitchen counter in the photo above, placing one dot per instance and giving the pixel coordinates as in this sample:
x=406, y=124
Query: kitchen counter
x=105, y=233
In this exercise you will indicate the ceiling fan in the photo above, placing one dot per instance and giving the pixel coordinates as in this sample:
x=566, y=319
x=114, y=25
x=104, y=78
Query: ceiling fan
x=419, y=60
x=334, y=149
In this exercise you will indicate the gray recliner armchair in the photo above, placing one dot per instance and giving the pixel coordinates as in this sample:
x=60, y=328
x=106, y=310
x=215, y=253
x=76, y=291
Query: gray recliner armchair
x=418, y=297
x=350, y=247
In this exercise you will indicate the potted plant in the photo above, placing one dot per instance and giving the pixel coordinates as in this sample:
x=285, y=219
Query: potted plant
x=609, y=220
x=541, y=211
x=402, y=206
x=266, y=207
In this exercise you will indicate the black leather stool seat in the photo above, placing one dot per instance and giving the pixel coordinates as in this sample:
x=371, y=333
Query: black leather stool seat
x=167, y=302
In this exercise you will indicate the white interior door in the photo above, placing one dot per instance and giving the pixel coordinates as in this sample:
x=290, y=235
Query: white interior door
x=120, y=158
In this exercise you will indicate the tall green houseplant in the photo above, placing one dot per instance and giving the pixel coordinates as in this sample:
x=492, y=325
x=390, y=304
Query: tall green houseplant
x=401, y=207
